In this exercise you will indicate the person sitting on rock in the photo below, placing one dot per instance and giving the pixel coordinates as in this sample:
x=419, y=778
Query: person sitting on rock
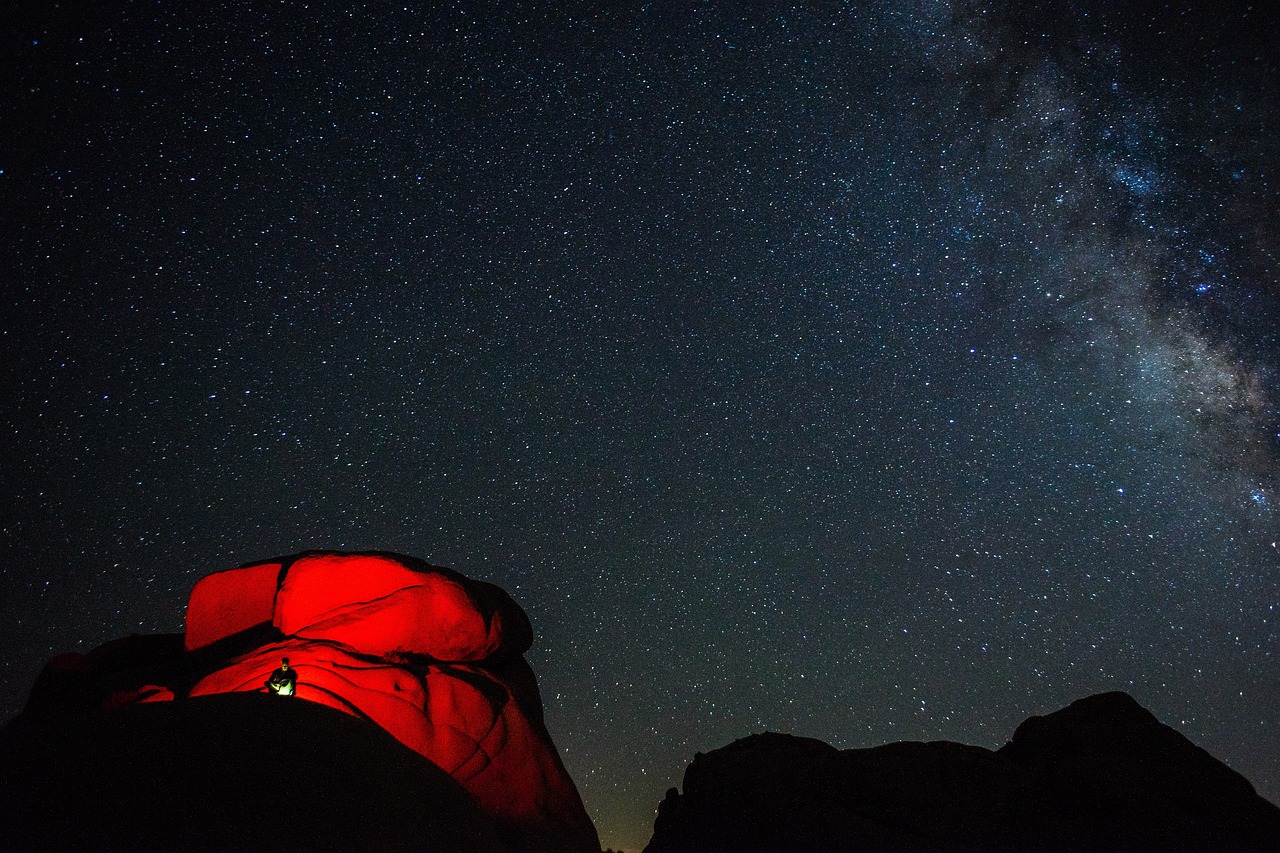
x=284, y=681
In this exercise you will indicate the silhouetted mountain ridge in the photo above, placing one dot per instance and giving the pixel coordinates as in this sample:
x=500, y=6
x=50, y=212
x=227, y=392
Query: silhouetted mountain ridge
x=1102, y=774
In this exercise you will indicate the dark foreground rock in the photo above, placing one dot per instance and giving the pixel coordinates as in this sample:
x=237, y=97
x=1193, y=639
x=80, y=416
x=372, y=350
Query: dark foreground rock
x=229, y=772
x=1100, y=775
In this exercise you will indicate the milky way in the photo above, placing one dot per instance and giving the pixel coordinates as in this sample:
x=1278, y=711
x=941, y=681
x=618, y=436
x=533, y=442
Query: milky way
x=867, y=372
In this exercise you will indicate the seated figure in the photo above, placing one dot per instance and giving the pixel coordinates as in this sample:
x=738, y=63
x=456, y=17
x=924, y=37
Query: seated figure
x=284, y=681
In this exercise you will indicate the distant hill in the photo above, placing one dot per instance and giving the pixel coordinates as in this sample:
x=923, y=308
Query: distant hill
x=1100, y=775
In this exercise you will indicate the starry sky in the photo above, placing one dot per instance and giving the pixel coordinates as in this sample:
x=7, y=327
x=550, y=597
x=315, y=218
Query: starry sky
x=866, y=371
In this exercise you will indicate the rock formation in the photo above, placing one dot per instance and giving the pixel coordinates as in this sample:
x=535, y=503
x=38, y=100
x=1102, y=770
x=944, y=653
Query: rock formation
x=431, y=657
x=1100, y=775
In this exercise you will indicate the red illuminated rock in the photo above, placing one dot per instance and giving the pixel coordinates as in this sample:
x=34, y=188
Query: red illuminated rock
x=381, y=606
x=466, y=719
x=225, y=603
x=428, y=655
x=139, y=695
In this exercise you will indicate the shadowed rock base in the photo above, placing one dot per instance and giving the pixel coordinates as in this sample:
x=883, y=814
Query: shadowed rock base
x=230, y=772
x=1100, y=775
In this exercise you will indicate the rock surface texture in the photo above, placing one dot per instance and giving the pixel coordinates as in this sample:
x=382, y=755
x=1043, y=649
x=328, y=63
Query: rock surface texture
x=431, y=657
x=1100, y=775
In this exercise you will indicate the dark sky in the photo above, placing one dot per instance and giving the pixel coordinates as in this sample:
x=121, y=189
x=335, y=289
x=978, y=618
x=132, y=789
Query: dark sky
x=869, y=371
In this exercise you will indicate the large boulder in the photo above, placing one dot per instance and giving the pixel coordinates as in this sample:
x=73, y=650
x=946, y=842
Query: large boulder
x=379, y=604
x=1100, y=775
x=429, y=656
x=224, y=604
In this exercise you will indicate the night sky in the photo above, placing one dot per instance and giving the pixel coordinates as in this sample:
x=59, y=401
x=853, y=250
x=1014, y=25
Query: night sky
x=870, y=371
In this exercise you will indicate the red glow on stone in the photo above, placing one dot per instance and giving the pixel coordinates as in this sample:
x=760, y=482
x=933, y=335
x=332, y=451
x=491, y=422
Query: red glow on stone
x=381, y=607
x=226, y=603
x=353, y=623
x=464, y=719
x=139, y=696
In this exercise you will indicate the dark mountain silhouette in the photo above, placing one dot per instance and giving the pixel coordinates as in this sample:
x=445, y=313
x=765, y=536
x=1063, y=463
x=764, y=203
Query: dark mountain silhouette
x=1100, y=775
